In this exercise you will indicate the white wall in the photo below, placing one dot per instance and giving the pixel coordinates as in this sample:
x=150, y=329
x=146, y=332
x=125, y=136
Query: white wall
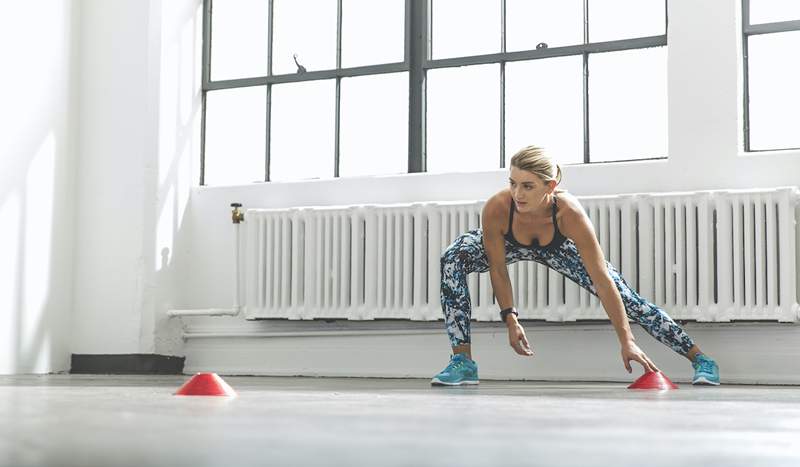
x=114, y=147
x=37, y=177
x=139, y=132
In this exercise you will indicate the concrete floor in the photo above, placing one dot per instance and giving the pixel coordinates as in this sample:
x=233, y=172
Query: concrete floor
x=87, y=420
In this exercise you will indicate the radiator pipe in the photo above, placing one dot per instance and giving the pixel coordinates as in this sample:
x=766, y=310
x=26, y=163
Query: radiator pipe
x=238, y=217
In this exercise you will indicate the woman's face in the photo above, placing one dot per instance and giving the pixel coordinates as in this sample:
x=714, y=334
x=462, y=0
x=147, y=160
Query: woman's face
x=528, y=191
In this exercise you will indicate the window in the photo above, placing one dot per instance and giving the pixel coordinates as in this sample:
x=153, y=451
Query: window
x=771, y=39
x=363, y=88
x=289, y=95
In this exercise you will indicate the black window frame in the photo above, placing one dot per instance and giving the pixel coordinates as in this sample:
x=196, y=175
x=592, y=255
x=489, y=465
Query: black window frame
x=753, y=30
x=417, y=61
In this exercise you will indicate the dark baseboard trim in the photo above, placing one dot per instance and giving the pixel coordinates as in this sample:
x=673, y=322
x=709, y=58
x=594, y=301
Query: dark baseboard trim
x=127, y=364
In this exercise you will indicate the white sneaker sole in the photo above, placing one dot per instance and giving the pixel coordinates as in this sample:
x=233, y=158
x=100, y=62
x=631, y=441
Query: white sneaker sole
x=702, y=380
x=437, y=382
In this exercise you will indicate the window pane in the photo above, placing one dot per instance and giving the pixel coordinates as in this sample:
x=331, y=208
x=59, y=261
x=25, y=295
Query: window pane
x=306, y=28
x=235, y=136
x=239, y=32
x=463, y=129
x=628, y=104
x=374, y=125
x=771, y=11
x=611, y=20
x=465, y=27
x=544, y=107
x=531, y=22
x=302, y=130
x=372, y=32
x=774, y=94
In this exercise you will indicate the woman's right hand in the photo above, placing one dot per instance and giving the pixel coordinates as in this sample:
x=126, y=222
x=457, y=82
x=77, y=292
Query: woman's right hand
x=517, y=339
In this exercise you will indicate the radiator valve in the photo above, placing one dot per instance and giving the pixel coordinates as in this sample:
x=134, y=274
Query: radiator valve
x=237, y=214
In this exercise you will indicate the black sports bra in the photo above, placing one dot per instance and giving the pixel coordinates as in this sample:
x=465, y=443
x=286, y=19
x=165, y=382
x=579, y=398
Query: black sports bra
x=558, y=238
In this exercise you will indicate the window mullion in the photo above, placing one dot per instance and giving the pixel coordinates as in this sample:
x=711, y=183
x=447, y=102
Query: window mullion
x=418, y=35
x=745, y=82
x=746, y=13
x=767, y=28
x=268, y=134
x=503, y=85
x=586, y=83
x=205, y=78
x=338, y=111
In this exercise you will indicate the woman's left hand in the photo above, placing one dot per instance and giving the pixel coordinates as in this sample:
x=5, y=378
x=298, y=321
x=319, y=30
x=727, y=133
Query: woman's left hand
x=631, y=351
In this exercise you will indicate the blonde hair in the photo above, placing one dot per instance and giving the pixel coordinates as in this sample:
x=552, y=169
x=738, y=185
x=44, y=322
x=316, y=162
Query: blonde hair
x=534, y=160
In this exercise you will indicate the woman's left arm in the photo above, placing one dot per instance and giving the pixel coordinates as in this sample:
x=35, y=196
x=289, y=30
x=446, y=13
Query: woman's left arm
x=579, y=228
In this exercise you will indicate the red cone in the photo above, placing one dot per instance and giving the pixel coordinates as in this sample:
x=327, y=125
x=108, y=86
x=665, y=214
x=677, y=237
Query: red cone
x=653, y=380
x=205, y=384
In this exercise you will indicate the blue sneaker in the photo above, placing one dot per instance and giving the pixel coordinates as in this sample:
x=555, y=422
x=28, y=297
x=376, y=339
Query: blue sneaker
x=460, y=370
x=705, y=370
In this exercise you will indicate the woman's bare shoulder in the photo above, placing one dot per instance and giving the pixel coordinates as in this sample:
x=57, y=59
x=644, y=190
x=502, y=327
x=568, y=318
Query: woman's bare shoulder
x=497, y=206
x=500, y=199
x=568, y=203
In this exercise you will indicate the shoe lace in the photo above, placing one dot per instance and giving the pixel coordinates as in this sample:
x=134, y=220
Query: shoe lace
x=705, y=365
x=454, y=365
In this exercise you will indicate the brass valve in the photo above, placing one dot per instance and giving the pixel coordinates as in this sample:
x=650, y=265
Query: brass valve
x=237, y=214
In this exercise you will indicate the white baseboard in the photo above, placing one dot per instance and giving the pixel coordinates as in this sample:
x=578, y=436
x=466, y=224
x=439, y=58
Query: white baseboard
x=747, y=353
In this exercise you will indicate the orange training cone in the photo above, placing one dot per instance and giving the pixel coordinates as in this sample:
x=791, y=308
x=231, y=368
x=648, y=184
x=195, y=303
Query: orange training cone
x=205, y=384
x=653, y=380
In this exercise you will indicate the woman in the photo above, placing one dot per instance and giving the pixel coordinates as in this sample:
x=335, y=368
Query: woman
x=533, y=221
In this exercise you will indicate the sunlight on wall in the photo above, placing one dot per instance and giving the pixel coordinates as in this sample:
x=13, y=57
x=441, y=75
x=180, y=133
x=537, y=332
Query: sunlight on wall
x=168, y=131
x=183, y=182
x=187, y=90
x=179, y=112
x=165, y=233
x=39, y=192
x=39, y=28
x=179, y=93
x=9, y=252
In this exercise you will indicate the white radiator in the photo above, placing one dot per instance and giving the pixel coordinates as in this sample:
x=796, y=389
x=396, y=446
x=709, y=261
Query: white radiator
x=705, y=256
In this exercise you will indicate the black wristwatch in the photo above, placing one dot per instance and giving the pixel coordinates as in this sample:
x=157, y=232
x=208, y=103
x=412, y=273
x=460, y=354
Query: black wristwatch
x=504, y=314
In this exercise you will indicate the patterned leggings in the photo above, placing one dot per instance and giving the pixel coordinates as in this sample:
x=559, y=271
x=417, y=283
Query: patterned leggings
x=466, y=254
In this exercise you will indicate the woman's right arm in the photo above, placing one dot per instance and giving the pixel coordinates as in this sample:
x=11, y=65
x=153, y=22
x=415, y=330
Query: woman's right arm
x=494, y=245
x=492, y=219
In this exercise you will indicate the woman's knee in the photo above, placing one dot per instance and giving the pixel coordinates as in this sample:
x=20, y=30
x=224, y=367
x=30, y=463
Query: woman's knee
x=456, y=254
x=450, y=266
